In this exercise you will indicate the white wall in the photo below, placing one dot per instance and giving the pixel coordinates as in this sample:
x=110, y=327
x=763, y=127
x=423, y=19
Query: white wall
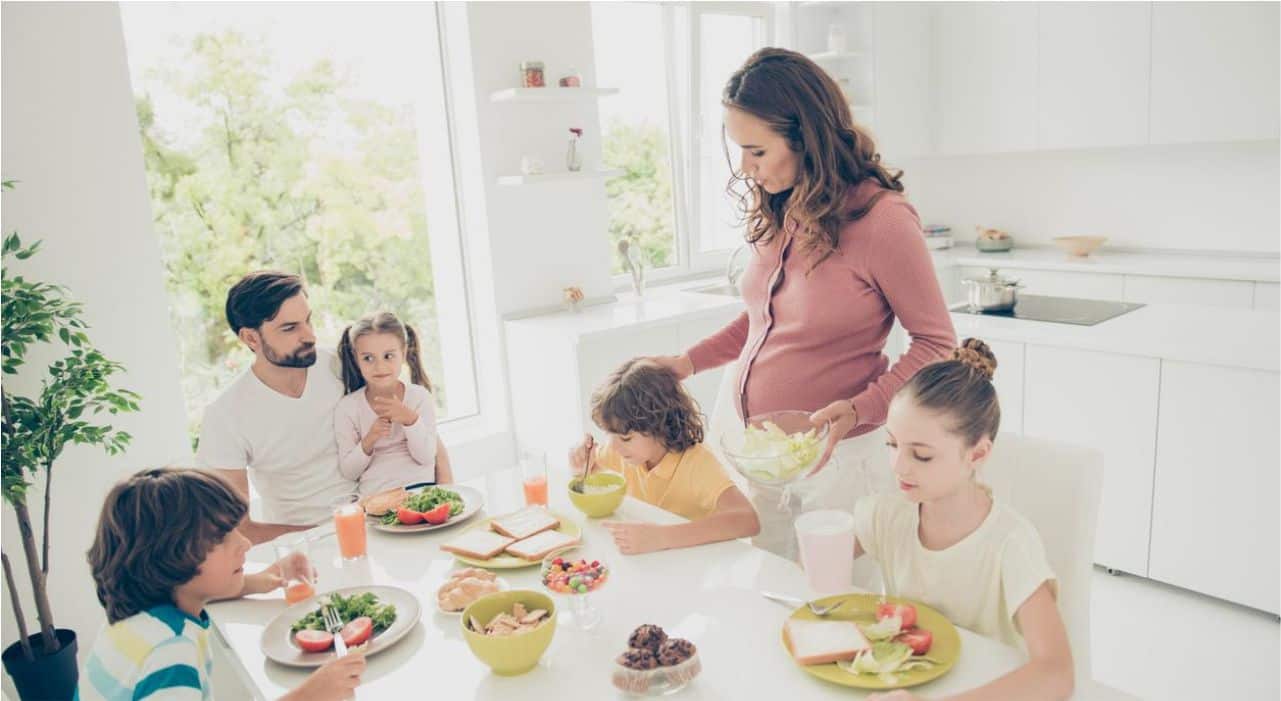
x=543, y=238
x=71, y=137
x=1199, y=197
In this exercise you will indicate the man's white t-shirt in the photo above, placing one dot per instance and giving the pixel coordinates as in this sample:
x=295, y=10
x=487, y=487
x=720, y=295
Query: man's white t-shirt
x=287, y=444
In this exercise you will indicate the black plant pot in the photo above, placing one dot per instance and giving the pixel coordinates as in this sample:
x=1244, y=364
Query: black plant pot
x=47, y=677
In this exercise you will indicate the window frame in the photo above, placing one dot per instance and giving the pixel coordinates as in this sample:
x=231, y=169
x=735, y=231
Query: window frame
x=684, y=138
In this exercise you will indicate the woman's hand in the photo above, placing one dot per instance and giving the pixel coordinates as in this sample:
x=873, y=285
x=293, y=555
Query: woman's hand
x=842, y=416
x=394, y=409
x=679, y=364
x=377, y=432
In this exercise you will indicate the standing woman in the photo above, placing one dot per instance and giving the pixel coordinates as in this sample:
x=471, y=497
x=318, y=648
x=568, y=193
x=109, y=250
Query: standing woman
x=837, y=256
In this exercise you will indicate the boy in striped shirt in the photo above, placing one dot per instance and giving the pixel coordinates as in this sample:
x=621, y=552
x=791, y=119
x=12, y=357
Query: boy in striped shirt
x=166, y=545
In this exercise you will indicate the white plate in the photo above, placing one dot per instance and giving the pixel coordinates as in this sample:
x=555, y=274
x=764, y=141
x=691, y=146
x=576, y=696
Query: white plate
x=473, y=501
x=277, y=640
x=502, y=586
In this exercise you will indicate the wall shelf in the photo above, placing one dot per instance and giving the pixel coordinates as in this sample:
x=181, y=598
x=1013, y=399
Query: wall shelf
x=550, y=95
x=564, y=176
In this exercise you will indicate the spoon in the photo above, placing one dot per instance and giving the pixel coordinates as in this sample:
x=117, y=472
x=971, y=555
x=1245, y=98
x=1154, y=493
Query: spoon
x=578, y=484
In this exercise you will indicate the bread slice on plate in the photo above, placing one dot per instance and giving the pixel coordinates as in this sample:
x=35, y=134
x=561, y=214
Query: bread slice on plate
x=525, y=523
x=820, y=642
x=539, y=546
x=478, y=544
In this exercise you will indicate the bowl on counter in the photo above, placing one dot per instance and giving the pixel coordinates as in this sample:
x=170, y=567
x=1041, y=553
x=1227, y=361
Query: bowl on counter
x=509, y=655
x=1079, y=246
x=993, y=245
x=601, y=495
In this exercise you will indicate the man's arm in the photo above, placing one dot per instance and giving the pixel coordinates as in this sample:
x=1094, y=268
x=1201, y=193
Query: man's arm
x=256, y=532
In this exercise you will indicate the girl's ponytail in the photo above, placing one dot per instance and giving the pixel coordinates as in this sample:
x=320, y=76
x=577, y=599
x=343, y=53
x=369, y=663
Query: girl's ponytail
x=413, y=356
x=352, y=380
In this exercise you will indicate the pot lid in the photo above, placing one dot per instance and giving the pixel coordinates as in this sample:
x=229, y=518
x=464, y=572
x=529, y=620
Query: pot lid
x=993, y=277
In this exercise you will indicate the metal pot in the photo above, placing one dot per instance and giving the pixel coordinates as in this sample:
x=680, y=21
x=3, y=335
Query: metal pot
x=991, y=293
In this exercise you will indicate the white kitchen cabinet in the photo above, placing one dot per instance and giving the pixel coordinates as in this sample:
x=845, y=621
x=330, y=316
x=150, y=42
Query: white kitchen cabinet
x=1215, y=72
x=1107, y=402
x=1092, y=86
x=1057, y=283
x=1008, y=381
x=1214, y=518
x=1267, y=295
x=985, y=67
x=1177, y=290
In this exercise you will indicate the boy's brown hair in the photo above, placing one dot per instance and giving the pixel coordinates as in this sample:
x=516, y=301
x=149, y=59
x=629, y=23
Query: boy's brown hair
x=155, y=530
x=644, y=397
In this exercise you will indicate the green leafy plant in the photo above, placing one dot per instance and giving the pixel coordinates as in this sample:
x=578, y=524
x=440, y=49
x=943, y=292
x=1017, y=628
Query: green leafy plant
x=76, y=392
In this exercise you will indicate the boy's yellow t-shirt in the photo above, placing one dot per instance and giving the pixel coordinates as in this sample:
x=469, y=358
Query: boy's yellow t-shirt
x=687, y=484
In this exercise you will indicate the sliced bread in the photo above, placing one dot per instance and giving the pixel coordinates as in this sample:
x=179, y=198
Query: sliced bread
x=478, y=544
x=525, y=523
x=820, y=642
x=539, y=546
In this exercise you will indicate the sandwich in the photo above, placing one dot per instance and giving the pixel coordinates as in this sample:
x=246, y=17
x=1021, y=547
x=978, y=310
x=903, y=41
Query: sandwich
x=525, y=523
x=539, y=546
x=478, y=544
x=820, y=642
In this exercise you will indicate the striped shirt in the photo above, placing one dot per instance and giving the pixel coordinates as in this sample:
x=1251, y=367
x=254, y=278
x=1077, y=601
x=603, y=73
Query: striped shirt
x=159, y=654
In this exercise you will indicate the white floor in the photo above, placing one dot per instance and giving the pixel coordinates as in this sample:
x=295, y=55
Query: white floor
x=1162, y=643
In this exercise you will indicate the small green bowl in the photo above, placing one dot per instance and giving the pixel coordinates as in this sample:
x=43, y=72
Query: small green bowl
x=604, y=503
x=509, y=655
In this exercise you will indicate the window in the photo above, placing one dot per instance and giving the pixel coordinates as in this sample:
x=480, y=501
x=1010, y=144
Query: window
x=664, y=128
x=310, y=138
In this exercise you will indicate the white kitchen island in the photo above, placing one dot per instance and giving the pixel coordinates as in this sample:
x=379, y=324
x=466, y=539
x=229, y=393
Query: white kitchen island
x=1183, y=402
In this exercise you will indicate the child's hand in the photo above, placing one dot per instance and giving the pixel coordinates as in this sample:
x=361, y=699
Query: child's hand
x=394, y=409
x=377, y=432
x=333, y=681
x=634, y=538
x=583, y=455
x=262, y=582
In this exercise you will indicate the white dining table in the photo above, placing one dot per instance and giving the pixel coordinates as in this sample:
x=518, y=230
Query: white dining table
x=710, y=595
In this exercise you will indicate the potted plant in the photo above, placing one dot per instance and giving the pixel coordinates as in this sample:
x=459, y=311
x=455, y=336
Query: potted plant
x=35, y=430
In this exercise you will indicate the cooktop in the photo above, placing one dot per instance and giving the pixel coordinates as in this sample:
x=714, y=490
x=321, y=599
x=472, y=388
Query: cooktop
x=1058, y=310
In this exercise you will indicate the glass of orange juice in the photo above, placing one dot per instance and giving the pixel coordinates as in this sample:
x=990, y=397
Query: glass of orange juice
x=294, y=558
x=349, y=526
x=533, y=474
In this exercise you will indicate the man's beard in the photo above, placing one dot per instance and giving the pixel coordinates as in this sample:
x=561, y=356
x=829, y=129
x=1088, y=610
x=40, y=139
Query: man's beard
x=304, y=357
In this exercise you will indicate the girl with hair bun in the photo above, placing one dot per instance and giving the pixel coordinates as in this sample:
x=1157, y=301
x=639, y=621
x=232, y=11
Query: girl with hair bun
x=943, y=539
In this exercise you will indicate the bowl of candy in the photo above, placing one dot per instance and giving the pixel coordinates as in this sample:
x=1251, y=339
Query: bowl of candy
x=776, y=448
x=654, y=664
x=575, y=573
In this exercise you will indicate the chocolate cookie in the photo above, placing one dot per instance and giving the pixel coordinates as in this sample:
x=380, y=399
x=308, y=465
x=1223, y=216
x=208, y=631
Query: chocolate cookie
x=675, y=651
x=641, y=659
x=649, y=637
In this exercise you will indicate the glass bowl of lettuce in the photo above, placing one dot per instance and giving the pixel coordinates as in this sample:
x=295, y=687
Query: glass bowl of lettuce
x=776, y=448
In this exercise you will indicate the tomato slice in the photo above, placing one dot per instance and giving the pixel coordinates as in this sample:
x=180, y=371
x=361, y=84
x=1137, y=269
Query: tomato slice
x=905, y=612
x=918, y=639
x=314, y=640
x=438, y=515
x=358, y=631
x=408, y=516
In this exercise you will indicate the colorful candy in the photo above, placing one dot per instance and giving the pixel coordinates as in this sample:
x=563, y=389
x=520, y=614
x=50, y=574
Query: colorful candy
x=574, y=577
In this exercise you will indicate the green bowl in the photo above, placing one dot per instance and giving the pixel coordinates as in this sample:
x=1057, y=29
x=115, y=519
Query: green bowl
x=509, y=655
x=604, y=503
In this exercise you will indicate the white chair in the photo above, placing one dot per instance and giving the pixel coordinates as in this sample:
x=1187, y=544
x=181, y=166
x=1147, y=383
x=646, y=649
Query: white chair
x=1057, y=487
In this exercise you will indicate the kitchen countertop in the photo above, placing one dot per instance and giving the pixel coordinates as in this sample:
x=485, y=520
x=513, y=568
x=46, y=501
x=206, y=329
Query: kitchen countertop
x=659, y=305
x=1216, y=267
x=1223, y=336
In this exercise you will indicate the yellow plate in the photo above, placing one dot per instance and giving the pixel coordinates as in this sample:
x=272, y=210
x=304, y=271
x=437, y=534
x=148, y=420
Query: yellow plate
x=505, y=561
x=946, y=648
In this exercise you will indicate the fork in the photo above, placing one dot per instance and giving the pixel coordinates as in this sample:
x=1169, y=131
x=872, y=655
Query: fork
x=333, y=623
x=815, y=609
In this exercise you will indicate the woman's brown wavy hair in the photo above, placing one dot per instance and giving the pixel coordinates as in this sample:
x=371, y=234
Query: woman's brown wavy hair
x=800, y=102
x=155, y=530
x=646, y=398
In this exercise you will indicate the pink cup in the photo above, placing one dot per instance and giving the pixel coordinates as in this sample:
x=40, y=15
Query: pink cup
x=826, y=542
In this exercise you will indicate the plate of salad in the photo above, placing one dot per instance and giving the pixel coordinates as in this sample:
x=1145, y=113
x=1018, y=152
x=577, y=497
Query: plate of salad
x=429, y=508
x=373, y=616
x=910, y=643
x=777, y=448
